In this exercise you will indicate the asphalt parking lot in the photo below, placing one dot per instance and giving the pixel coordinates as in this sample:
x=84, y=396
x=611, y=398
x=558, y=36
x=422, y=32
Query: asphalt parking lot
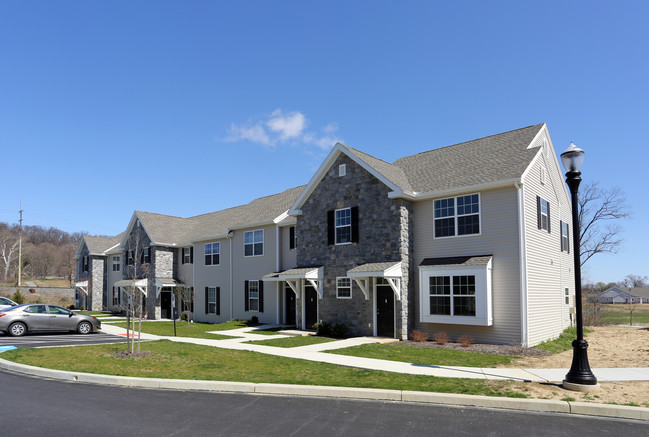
x=44, y=339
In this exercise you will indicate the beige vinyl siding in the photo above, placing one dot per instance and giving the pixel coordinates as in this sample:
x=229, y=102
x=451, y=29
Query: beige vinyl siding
x=112, y=277
x=254, y=268
x=288, y=256
x=186, y=271
x=499, y=237
x=549, y=271
x=211, y=276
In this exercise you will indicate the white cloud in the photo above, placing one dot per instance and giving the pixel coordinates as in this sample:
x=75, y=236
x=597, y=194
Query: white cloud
x=283, y=127
x=288, y=125
x=254, y=134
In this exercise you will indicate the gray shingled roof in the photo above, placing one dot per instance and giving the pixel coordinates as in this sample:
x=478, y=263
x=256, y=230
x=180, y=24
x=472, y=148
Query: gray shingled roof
x=494, y=158
x=373, y=267
x=167, y=229
x=479, y=260
x=99, y=245
x=295, y=271
x=499, y=157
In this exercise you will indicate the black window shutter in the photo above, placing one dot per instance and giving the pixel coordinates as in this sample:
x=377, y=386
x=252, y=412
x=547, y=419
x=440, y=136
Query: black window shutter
x=141, y=256
x=207, y=302
x=355, y=224
x=193, y=297
x=538, y=212
x=567, y=238
x=261, y=296
x=245, y=287
x=149, y=253
x=218, y=301
x=191, y=255
x=291, y=237
x=561, y=236
x=549, y=217
x=331, y=228
x=182, y=255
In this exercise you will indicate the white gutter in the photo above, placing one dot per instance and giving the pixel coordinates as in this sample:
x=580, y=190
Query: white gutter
x=522, y=248
x=451, y=191
x=230, y=236
x=277, y=244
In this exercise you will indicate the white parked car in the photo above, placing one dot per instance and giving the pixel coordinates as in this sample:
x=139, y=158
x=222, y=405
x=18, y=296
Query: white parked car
x=6, y=303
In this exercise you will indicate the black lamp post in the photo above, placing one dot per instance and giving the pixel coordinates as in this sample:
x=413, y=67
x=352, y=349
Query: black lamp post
x=579, y=373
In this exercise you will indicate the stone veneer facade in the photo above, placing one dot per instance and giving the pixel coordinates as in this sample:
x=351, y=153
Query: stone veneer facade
x=385, y=234
x=98, y=285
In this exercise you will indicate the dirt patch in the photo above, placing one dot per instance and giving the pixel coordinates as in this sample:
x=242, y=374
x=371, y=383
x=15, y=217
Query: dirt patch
x=490, y=349
x=124, y=354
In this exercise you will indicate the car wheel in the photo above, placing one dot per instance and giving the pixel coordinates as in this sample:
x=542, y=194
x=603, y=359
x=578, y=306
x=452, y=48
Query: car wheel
x=17, y=329
x=84, y=328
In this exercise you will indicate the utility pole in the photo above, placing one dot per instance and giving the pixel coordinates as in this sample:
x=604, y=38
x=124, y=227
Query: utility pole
x=20, y=248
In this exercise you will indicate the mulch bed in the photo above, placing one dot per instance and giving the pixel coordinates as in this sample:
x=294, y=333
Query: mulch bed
x=491, y=349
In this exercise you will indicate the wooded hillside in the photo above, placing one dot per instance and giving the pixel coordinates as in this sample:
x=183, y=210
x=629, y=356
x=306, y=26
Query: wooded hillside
x=46, y=252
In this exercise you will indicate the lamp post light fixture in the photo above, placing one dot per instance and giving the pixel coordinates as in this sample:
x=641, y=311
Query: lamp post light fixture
x=579, y=377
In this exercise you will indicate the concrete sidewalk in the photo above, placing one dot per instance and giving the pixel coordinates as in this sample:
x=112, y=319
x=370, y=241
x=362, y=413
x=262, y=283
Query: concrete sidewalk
x=317, y=352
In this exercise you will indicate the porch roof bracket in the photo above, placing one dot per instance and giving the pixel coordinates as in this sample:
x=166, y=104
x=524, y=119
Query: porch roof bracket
x=293, y=284
x=395, y=284
x=84, y=289
x=142, y=290
x=317, y=284
x=363, y=284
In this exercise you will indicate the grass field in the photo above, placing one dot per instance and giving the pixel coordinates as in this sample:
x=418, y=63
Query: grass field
x=195, y=330
x=190, y=361
x=619, y=314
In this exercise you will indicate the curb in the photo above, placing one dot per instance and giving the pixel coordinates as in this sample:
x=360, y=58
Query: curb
x=539, y=405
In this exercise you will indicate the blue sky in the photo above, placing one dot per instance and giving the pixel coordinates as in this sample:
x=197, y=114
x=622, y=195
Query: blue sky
x=183, y=108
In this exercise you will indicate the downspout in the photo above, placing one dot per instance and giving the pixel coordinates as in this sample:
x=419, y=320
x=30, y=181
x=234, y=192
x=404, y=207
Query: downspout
x=277, y=243
x=230, y=237
x=522, y=247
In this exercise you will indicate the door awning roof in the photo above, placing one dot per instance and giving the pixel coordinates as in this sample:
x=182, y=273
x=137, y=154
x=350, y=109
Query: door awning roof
x=82, y=285
x=296, y=273
x=391, y=269
x=468, y=261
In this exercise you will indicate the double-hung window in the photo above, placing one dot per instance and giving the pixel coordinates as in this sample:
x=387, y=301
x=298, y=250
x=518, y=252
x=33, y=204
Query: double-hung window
x=253, y=295
x=212, y=254
x=116, y=263
x=343, y=288
x=543, y=213
x=456, y=216
x=146, y=255
x=456, y=294
x=187, y=255
x=343, y=226
x=253, y=244
x=85, y=264
x=565, y=241
x=211, y=300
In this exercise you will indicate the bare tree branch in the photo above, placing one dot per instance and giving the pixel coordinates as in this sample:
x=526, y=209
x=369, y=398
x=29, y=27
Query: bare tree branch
x=599, y=208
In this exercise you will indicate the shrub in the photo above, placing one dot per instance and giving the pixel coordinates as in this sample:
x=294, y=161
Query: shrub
x=465, y=340
x=323, y=329
x=418, y=336
x=183, y=316
x=441, y=337
x=18, y=298
x=339, y=330
x=254, y=320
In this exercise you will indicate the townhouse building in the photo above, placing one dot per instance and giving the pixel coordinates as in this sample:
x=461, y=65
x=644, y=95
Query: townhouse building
x=469, y=239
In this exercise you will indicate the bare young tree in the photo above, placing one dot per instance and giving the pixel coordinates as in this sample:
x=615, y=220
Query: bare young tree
x=8, y=250
x=631, y=306
x=185, y=297
x=599, y=209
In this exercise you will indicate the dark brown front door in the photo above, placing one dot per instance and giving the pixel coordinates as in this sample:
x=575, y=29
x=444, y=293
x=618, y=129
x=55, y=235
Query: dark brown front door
x=384, y=311
x=310, y=306
x=165, y=305
x=290, y=305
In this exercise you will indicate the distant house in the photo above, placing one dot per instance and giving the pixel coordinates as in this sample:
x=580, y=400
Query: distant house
x=616, y=295
x=642, y=292
x=470, y=239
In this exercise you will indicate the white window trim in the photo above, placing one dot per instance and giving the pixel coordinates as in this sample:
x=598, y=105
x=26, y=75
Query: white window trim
x=342, y=170
x=250, y=299
x=145, y=256
x=338, y=288
x=336, y=227
x=483, y=295
x=187, y=258
x=455, y=216
x=263, y=248
x=565, y=238
x=566, y=296
x=212, y=254
x=117, y=262
x=209, y=302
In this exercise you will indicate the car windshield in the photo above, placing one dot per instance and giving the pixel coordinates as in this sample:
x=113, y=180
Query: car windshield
x=5, y=301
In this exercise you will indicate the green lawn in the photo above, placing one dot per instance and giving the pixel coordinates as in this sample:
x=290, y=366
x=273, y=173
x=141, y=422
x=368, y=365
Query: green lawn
x=292, y=341
x=423, y=355
x=190, y=361
x=195, y=330
x=563, y=343
x=619, y=314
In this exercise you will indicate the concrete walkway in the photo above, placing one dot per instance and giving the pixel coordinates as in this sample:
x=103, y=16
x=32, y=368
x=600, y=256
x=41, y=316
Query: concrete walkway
x=316, y=352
